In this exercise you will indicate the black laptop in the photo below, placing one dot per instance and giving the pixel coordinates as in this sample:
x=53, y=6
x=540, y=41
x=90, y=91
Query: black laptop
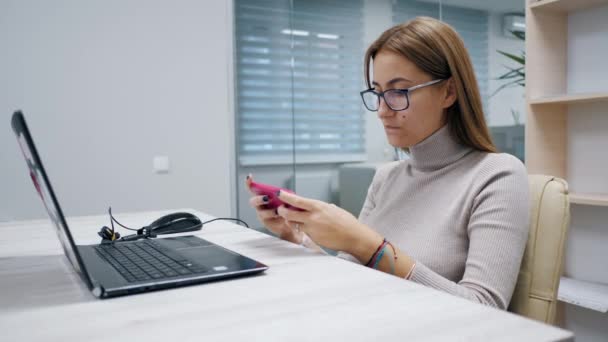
x=127, y=267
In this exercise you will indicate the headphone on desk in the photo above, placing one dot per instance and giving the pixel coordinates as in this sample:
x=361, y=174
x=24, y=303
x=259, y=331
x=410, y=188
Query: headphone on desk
x=180, y=222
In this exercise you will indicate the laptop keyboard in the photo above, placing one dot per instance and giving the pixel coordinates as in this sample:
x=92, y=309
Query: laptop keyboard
x=146, y=260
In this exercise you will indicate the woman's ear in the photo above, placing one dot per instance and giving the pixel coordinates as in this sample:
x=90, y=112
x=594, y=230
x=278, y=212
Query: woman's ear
x=450, y=95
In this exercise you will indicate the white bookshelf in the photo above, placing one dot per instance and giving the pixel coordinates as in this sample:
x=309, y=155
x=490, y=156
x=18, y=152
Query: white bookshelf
x=567, y=137
x=585, y=294
x=562, y=79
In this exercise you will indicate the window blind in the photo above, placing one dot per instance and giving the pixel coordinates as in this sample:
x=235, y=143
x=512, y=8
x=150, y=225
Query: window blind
x=471, y=24
x=298, y=74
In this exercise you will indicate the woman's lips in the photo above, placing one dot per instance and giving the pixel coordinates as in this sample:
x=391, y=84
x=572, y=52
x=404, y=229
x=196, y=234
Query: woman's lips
x=392, y=129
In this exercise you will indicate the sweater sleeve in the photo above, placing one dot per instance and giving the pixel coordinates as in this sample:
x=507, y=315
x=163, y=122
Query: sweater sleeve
x=497, y=231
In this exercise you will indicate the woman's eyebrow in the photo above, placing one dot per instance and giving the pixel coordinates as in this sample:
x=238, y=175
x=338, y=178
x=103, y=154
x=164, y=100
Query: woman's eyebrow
x=398, y=79
x=393, y=81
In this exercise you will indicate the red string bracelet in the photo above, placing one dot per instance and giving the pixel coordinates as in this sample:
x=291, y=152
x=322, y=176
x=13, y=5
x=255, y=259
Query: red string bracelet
x=382, y=245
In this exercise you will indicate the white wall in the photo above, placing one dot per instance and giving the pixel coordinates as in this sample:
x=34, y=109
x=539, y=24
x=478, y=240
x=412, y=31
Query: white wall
x=107, y=85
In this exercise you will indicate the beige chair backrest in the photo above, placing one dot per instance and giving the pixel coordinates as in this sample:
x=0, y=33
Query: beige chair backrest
x=535, y=294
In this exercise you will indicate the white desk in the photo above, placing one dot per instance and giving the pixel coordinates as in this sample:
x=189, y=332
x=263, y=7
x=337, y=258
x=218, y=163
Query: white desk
x=302, y=296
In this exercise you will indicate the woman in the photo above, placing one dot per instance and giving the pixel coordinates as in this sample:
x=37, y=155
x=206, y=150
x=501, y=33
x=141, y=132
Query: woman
x=455, y=215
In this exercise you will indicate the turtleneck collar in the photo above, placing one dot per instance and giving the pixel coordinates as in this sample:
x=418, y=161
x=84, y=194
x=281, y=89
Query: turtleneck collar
x=437, y=151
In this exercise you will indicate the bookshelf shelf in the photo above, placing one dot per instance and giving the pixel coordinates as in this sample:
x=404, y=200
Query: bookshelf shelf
x=589, y=199
x=565, y=6
x=570, y=99
x=585, y=294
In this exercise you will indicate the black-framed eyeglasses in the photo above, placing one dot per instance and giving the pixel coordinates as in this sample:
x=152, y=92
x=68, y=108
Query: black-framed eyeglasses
x=395, y=99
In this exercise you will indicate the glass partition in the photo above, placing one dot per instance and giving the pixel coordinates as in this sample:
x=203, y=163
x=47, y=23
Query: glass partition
x=264, y=79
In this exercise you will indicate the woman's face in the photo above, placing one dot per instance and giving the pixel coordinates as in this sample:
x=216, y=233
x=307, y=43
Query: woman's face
x=427, y=106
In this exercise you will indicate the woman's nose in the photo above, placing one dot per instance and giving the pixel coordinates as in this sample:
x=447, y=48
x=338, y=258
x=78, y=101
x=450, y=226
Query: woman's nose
x=384, y=110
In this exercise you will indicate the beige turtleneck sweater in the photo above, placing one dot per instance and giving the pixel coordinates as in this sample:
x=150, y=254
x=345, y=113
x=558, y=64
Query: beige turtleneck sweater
x=461, y=214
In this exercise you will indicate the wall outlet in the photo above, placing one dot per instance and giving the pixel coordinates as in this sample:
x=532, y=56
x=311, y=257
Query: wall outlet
x=160, y=164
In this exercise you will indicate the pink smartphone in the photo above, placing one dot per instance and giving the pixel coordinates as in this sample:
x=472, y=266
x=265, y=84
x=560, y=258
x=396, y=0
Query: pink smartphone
x=270, y=191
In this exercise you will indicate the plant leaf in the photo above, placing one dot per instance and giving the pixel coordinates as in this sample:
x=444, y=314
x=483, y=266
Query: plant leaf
x=516, y=71
x=508, y=76
x=520, y=35
x=515, y=76
x=519, y=59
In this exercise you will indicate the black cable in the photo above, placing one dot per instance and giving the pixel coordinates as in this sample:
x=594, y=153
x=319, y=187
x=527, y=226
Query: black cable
x=227, y=219
x=112, y=219
x=145, y=232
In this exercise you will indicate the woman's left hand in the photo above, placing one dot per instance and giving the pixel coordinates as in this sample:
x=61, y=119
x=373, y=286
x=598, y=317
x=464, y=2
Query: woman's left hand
x=326, y=224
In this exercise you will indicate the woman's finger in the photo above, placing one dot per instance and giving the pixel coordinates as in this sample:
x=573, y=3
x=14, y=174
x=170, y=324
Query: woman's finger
x=301, y=227
x=257, y=201
x=267, y=214
x=295, y=225
x=297, y=201
x=293, y=215
x=248, y=181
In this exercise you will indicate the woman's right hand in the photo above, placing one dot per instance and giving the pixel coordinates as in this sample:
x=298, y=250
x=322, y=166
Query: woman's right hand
x=270, y=219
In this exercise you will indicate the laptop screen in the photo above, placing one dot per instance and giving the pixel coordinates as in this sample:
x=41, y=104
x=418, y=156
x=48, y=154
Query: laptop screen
x=44, y=190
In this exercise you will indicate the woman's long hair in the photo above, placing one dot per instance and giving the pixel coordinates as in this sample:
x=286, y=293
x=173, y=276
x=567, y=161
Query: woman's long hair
x=438, y=50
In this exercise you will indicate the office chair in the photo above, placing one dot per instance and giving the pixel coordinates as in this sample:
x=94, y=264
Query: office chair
x=535, y=294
